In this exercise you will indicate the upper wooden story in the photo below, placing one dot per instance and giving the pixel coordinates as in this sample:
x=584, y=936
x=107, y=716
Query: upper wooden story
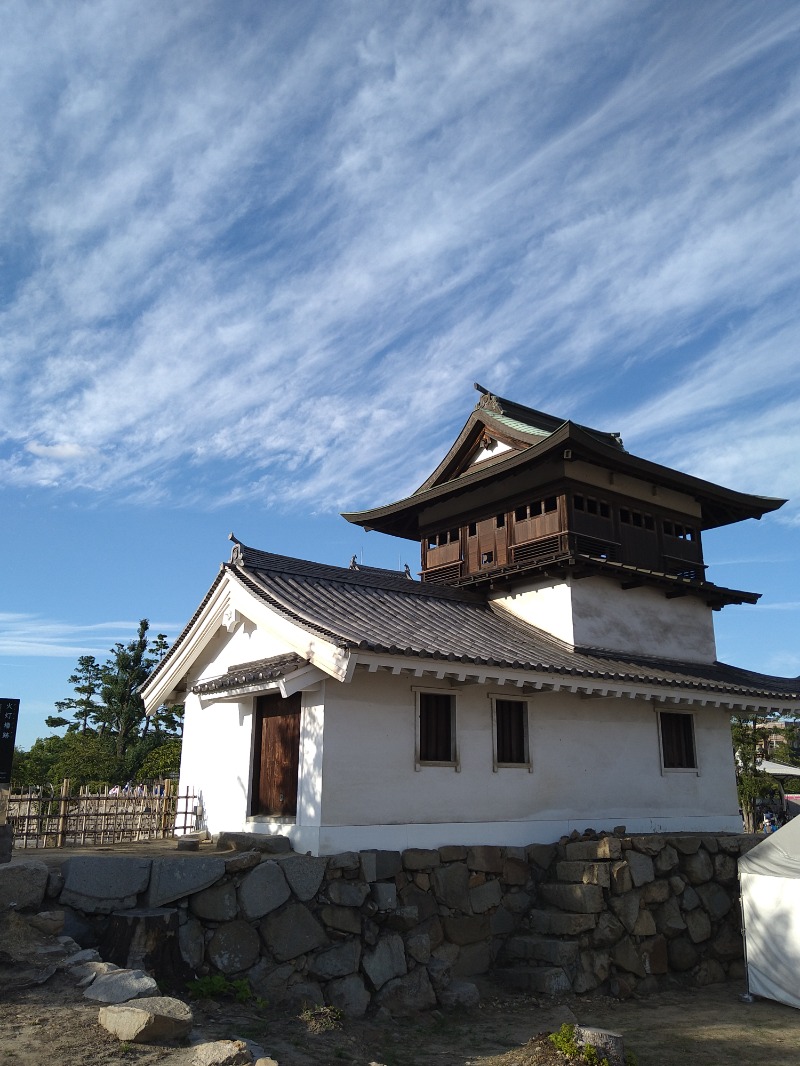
x=521, y=493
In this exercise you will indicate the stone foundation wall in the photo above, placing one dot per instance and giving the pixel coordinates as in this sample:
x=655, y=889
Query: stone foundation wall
x=405, y=930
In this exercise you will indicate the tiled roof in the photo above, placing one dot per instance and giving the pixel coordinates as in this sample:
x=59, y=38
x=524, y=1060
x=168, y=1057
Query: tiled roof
x=382, y=611
x=271, y=669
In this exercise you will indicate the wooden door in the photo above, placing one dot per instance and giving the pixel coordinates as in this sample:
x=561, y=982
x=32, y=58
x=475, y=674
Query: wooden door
x=276, y=755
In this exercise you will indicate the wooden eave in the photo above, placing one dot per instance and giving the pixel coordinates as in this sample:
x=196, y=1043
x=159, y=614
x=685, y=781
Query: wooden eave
x=720, y=506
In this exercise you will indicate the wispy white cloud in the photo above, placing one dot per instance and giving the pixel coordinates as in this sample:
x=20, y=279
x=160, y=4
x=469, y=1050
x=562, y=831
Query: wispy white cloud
x=266, y=251
x=30, y=635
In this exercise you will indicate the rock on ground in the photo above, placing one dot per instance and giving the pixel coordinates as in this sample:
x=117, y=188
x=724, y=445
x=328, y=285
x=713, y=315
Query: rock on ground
x=222, y=1053
x=119, y=986
x=151, y=1020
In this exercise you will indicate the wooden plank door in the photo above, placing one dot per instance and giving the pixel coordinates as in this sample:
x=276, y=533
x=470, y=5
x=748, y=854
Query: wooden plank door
x=276, y=755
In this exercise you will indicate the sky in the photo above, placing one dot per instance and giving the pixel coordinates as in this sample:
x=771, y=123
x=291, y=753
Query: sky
x=256, y=253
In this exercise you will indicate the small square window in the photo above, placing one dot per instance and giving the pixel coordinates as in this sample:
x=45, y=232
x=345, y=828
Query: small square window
x=649, y=523
x=577, y=503
x=591, y=506
x=550, y=504
x=677, y=741
x=472, y=529
x=500, y=521
x=669, y=529
x=487, y=558
x=605, y=510
x=436, y=727
x=625, y=515
x=521, y=514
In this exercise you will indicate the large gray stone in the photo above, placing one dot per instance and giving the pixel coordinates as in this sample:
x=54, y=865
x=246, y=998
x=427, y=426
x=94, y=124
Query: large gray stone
x=683, y=955
x=666, y=860
x=451, y=886
x=727, y=944
x=147, y=1021
x=385, y=961
x=459, y=995
x=627, y=958
x=263, y=842
x=234, y=947
x=170, y=879
x=541, y=855
x=594, y=850
x=304, y=874
x=191, y=943
x=338, y=961
x=102, y=884
x=23, y=883
x=669, y=919
x=626, y=909
x=697, y=868
x=467, y=929
x=407, y=995
x=485, y=897
x=384, y=896
x=347, y=893
x=698, y=925
x=349, y=995
x=420, y=858
x=608, y=931
x=342, y=919
x=263, y=890
x=121, y=985
x=556, y=923
x=216, y=904
x=586, y=873
x=641, y=867
x=293, y=932
x=485, y=858
x=578, y=899
x=715, y=900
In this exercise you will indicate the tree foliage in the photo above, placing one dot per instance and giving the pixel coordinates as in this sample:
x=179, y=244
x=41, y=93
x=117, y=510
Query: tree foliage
x=751, y=735
x=108, y=736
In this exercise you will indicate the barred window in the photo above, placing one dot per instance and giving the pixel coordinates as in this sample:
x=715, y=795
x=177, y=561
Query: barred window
x=677, y=741
x=436, y=727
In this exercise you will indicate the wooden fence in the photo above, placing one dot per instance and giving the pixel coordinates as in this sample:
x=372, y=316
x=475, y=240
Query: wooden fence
x=44, y=817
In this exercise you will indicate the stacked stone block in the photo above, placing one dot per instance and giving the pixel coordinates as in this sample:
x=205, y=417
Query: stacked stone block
x=405, y=930
x=622, y=912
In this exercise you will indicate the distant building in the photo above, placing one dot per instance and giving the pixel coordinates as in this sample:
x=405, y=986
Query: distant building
x=554, y=668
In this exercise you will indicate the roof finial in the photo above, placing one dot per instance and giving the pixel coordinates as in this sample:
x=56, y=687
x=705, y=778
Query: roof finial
x=354, y=563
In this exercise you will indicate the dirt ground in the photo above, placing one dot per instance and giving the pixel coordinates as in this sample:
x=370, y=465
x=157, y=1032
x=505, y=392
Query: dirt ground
x=53, y=1024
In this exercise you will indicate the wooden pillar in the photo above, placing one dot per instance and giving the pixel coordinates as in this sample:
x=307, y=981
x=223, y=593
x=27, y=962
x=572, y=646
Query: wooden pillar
x=63, y=811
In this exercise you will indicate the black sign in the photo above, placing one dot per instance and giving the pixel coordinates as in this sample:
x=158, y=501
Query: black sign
x=9, y=713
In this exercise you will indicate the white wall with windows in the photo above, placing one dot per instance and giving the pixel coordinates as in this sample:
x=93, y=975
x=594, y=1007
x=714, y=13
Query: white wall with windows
x=592, y=762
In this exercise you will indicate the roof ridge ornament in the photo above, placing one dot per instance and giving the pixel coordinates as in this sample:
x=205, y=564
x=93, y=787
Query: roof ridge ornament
x=236, y=550
x=488, y=400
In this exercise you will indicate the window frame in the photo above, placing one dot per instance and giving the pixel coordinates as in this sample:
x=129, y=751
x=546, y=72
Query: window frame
x=504, y=697
x=454, y=763
x=695, y=770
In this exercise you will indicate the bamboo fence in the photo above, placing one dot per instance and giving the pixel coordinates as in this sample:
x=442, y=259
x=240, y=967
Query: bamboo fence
x=43, y=817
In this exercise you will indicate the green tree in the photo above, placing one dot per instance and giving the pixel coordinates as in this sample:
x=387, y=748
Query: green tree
x=750, y=733
x=86, y=681
x=108, y=736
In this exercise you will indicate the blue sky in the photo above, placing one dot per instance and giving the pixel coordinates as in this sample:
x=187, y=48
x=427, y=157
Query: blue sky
x=256, y=253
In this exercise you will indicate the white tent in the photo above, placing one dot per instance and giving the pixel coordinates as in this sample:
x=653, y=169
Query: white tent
x=770, y=879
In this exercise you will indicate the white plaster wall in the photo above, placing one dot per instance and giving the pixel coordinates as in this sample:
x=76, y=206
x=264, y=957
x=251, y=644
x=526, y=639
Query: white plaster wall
x=595, y=612
x=595, y=763
x=215, y=760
